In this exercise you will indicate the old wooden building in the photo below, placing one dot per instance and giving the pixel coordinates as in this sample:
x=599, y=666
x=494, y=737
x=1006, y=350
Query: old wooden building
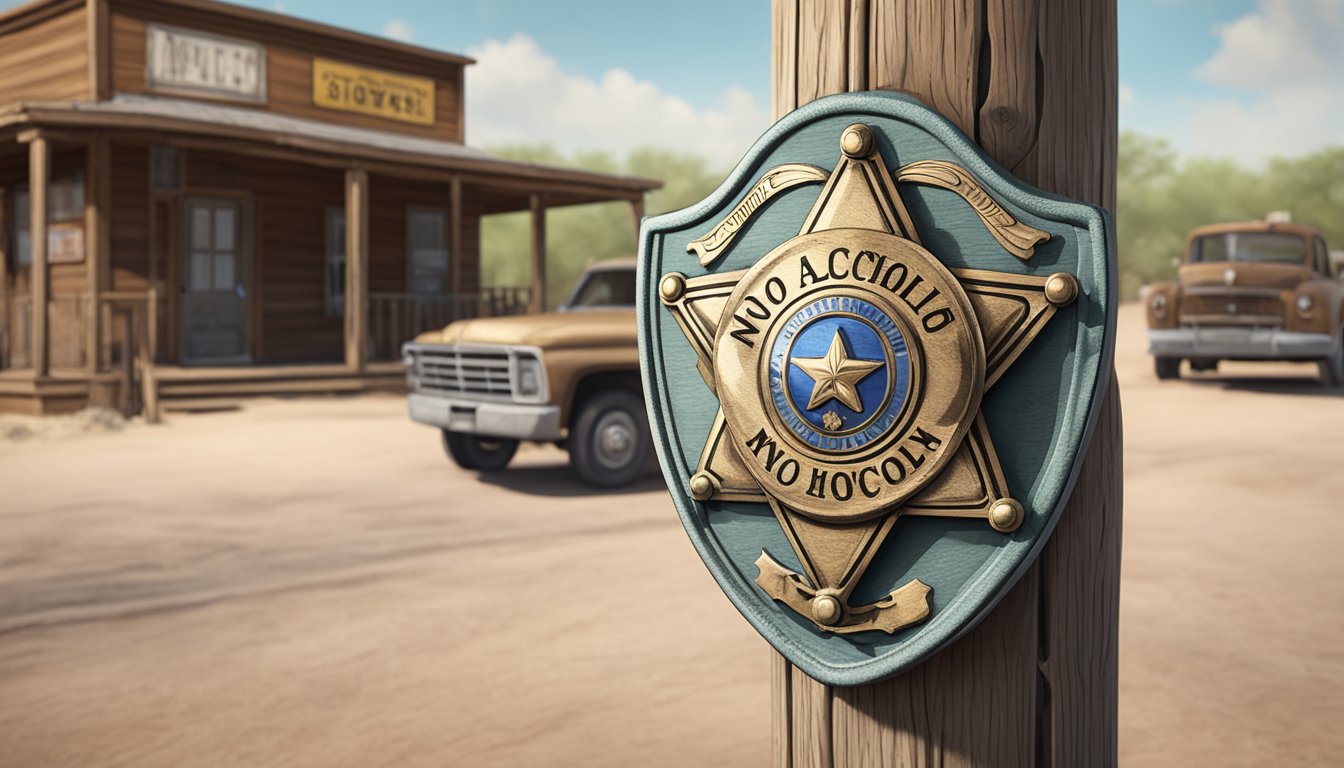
x=206, y=200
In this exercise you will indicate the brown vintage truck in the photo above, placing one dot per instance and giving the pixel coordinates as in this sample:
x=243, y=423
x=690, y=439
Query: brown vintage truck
x=570, y=377
x=1258, y=290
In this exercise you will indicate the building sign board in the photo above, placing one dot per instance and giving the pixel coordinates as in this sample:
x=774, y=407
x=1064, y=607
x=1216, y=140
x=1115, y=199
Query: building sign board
x=65, y=243
x=201, y=64
x=347, y=88
x=873, y=361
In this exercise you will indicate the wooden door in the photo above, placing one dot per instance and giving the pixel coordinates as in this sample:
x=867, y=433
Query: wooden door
x=216, y=265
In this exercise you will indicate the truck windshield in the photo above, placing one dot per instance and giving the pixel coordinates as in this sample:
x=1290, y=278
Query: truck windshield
x=1249, y=246
x=605, y=288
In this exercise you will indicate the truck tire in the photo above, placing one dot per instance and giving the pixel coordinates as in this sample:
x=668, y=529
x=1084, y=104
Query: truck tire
x=1167, y=368
x=1332, y=367
x=487, y=454
x=609, y=443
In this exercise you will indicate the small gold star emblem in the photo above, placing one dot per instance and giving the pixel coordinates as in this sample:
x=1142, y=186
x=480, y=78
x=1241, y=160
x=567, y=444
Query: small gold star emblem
x=836, y=375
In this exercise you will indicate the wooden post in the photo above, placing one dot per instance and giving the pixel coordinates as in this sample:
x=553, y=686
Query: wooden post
x=1035, y=683
x=5, y=331
x=39, y=176
x=454, y=246
x=537, y=299
x=356, y=269
x=637, y=211
x=97, y=242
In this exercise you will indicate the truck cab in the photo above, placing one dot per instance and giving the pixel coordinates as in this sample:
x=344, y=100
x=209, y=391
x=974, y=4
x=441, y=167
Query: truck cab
x=570, y=377
x=1258, y=290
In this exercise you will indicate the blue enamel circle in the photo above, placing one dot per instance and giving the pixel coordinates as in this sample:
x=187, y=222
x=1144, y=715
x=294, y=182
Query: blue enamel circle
x=839, y=373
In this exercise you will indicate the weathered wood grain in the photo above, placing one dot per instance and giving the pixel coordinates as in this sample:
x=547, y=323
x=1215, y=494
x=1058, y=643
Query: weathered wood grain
x=784, y=62
x=823, y=62
x=1035, y=683
x=931, y=50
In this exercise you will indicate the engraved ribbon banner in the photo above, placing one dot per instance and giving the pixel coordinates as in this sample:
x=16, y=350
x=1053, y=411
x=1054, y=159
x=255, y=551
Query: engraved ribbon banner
x=776, y=180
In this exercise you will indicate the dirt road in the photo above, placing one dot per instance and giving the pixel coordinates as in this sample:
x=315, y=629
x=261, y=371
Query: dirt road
x=310, y=583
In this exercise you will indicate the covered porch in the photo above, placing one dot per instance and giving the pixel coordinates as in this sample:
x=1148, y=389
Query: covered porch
x=160, y=249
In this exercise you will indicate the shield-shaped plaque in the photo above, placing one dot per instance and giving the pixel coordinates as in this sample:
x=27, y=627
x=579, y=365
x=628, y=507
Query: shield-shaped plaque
x=872, y=360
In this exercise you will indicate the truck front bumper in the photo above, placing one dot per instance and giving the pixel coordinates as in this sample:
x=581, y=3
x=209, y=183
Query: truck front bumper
x=1238, y=344
x=511, y=420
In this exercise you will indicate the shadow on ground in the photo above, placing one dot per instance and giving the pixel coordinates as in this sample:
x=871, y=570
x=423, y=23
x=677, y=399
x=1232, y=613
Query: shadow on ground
x=558, y=480
x=1301, y=386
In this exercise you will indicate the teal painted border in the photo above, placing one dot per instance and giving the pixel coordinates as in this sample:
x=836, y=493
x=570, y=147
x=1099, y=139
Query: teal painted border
x=1092, y=361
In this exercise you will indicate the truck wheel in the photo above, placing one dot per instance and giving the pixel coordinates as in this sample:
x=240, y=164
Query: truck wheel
x=1167, y=368
x=1332, y=367
x=488, y=454
x=609, y=444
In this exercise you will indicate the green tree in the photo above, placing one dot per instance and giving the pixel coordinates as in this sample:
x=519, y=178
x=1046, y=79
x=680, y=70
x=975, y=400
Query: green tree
x=1160, y=198
x=577, y=236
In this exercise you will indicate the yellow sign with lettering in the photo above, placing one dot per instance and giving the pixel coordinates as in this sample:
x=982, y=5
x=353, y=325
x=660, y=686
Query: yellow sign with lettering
x=348, y=88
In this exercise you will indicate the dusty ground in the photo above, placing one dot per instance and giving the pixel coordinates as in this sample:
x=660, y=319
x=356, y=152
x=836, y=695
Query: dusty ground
x=310, y=583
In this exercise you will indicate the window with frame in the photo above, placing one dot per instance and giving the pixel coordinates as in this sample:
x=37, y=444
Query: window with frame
x=23, y=227
x=65, y=203
x=335, y=262
x=1322, y=257
x=427, y=251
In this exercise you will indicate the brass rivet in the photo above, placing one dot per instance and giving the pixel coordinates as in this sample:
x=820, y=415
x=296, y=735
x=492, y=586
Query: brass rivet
x=826, y=609
x=857, y=140
x=672, y=286
x=1061, y=289
x=703, y=487
x=1006, y=515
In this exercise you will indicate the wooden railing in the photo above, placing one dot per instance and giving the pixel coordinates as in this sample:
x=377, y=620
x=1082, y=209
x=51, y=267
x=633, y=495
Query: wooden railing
x=128, y=347
x=395, y=318
x=15, y=332
x=67, y=318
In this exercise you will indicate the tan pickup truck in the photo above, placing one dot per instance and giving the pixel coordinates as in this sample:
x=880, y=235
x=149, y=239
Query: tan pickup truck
x=1259, y=290
x=570, y=377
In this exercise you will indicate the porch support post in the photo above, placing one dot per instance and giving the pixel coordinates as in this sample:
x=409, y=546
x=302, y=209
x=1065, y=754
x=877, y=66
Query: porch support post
x=356, y=269
x=637, y=210
x=6, y=342
x=97, y=240
x=459, y=294
x=39, y=173
x=537, y=297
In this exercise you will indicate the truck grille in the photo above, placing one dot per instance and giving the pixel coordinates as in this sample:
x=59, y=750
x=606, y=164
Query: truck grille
x=477, y=374
x=1231, y=308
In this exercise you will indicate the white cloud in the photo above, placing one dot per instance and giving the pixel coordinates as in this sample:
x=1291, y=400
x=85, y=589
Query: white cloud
x=1287, y=58
x=517, y=94
x=398, y=30
x=1126, y=95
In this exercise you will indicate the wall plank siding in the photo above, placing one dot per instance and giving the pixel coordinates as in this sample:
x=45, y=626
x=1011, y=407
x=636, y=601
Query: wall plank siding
x=288, y=202
x=1036, y=682
x=46, y=60
x=288, y=69
x=129, y=221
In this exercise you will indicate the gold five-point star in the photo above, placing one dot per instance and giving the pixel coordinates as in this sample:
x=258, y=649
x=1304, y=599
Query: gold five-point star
x=836, y=375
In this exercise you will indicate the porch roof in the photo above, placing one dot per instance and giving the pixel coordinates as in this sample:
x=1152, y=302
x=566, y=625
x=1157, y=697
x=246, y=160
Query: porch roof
x=311, y=141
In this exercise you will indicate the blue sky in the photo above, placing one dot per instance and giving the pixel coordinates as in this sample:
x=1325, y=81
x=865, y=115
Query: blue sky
x=1242, y=78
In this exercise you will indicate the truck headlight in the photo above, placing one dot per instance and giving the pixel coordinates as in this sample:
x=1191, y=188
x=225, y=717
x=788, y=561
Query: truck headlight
x=1159, y=304
x=1305, y=304
x=529, y=376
